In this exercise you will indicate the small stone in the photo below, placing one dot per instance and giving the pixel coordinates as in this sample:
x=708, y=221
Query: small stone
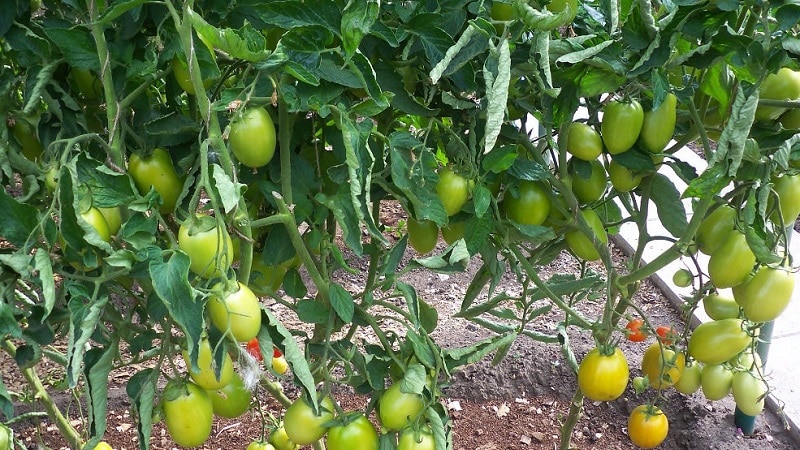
x=538, y=436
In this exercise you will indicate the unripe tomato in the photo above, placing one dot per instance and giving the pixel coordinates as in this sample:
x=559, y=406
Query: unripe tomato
x=205, y=375
x=647, y=426
x=662, y=365
x=557, y=6
x=356, y=434
x=452, y=190
x=528, y=204
x=6, y=438
x=502, y=11
x=113, y=218
x=718, y=307
x=682, y=278
x=260, y=445
x=453, y=232
x=102, y=445
x=716, y=380
x=714, y=229
x=87, y=83
x=411, y=439
x=239, y=312
x=732, y=262
x=591, y=189
x=210, y=249
x=180, y=69
x=718, y=341
x=231, y=400
x=622, y=178
x=603, y=377
x=787, y=189
x=659, y=125
x=422, y=235
x=765, y=296
x=302, y=425
x=580, y=244
x=689, y=382
x=749, y=391
x=157, y=172
x=95, y=218
x=783, y=85
x=396, y=409
x=790, y=120
x=622, y=122
x=25, y=134
x=188, y=413
x=280, y=440
x=583, y=142
x=252, y=137
x=279, y=365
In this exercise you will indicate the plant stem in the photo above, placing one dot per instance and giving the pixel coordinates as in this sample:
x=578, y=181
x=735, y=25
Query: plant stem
x=575, y=409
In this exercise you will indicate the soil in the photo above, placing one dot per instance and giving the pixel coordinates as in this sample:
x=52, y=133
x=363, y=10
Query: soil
x=519, y=403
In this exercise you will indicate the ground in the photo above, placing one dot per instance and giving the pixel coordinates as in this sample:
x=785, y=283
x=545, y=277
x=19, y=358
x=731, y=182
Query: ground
x=518, y=404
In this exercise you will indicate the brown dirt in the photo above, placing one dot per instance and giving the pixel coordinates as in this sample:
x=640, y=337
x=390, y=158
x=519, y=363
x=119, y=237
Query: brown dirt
x=518, y=404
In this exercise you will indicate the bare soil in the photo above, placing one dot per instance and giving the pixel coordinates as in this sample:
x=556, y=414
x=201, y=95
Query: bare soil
x=518, y=404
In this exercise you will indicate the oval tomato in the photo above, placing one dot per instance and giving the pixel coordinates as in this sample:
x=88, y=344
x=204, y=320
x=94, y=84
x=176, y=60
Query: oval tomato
x=765, y=296
x=580, y=244
x=718, y=307
x=557, y=6
x=689, y=382
x=583, y=142
x=357, y=433
x=280, y=440
x=716, y=380
x=732, y=262
x=590, y=189
x=157, y=172
x=260, y=445
x=647, y=426
x=603, y=377
x=787, y=189
x=416, y=440
x=658, y=125
x=210, y=248
x=749, y=392
x=87, y=83
x=453, y=232
x=621, y=124
x=252, y=137
x=422, y=234
x=622, y=178
x=95, y=218
x=714, y=229
x=102, y=445
x=113, y=218
x=662, y=365
x=180, y=70
x=188, y=413
x=279, y=365
x=302, y=425
x=25, y=134
x=527, y=203
x=783, y=85
x=397, y=409
x=502, y=11
x=634, y=332
x=6, y=438
x=790, y=120
x=667, y=335
x=718, y=341
x=205, y=375
x=238, y=313
x=452, y=190
x=231, y=400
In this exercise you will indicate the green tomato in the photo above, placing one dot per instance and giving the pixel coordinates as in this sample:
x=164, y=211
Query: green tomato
x=356, y=434
x=302, y=425
x=238, y=313
x=231, y=400
x=580, y=244
x=210, y=249
x=453, y=232
x=716, y=380
x=689, y=382
x=622, y=122
x=557, y=6
x=453, y=191
x=6, y=438
x=682, y=278
x=95, y=218
x=205, y=374
x=765, y=296
x=87, y=83
x=502, y=11
x=590, y=189
x=416, y=440
x=252, y=137
x=280, y=440
x=749, y=392
x=603, y=377
x=787, y=189
x=718, y=307
x=732, y=262
x=267, y=279
x=783, y=85
x=180, y=69
x=622, y=178
x=583, y=142
x=398, y=409
x=714, y=229
x=658, y=125
x=188, y=413
x=260, y=445
x=113, y=218
x=422, y=235
x=155, y=171
x=718, y=341
x=527, y=204
x=25, y=134
x=790, y=120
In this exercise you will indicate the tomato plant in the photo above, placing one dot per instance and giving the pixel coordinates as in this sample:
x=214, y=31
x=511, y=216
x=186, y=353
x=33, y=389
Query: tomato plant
x=603, y=377
x=749, y=392
x=583, y=142
x=582, y=245
x=304, y=426
x=718, y=341
x=527, y=203
x=453, y=191
x=237, y=312
x=188, y=413
x=766, y=295
x=209, y=247
x=716, y=380
x=252, y=137
x=662, y=365
x=207, y=374
x=658, y=125
x=634, y=332
x=422, y=234
x=648, y=426
x=397, y=409
x=231, y=400
x=622, y=122
x=155, y=171
x=411, y=439
x=356, y=432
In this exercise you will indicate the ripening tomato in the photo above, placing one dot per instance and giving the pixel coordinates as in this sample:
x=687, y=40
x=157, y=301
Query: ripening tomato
x=252, y=137
x=357, y=433
x=527, y=203
x=422, y=234
x=662, y=365
x=603, y=377
x=719, y=307
x=714, y=229
x=411, y=439
x=667, y=335
x=621, y=124
x=188, y=413
x=647, y=426
x=102, y=445
x=279, y=365
x=260, y=445
x=716, y=380
x=452, y=190
x=749, y=391
x=732, y=262
x=209, y=247
x=689, y=382
x=590, y=189
x=280, y=440
x=254, y=349
x=718, y=341
x=765, y=296
x=583, y=142
x=634, y=332
x=397, y=409
x=659, y=125
x=302, y=425
x=238, y=312
x=787, y=189
x=622, y=178
x=157, y=172
x=580, y=244
x=205, y=375
x=783, y=85
x=231, y=400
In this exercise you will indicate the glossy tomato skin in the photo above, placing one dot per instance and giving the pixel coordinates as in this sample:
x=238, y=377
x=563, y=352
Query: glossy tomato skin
x=157, y=172
x=720, y=307
x=622, y=178
x=280, y=365
x=790, y=120
x=732, y=262
x=602, y=377
x=689, y=382
x=180, y=70
x=716, y=380
x=580, y=244
x=452, y=190
x=647, y=426
x=416, y=440
x=527, y=204
x=718, y=341
x=714, y=229
x=357, y=434
x=557, y=6
x=621, y=124
x=188, y=414
x=252, y=137
x=783, y=85
x=453, y=232
x=6, y=437
x=25, y=134
x=589, y=190
x=303, y=427
x=765, y=296
x=787, y=189
x=259, y=445
x=205, y=375
x=634, y=332
x=502, y=11
x=87, y=83
x=749, y=391
x=280, y=440
x=658, y=125
x=231, y=400
x=662, y=365
x=583, y=142
x=113, y=218
x=210, y=248
x=95, y=218
x=422, y=234
x=397, y=408
x=238, y=312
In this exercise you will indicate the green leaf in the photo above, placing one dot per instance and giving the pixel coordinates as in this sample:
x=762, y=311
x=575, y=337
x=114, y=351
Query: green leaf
x=311, y=311
x=342, y=302
x=245, y=43
x=18, y=220
x=414, y=174
x=497, y=73
x=357, y=20
x=141, y=389
x=668, y=204
x=9, y=326
x=292, y=352
x=537, y=20
x=731, y=144
x=459, y=357
x=6, y=403
x=229, y=191
x=117, y=9
x=77, y=45
x=98, y=364
x=44, y=269
x=85, y=314
x=441, y=68
x=525, y=169
x=294, y=14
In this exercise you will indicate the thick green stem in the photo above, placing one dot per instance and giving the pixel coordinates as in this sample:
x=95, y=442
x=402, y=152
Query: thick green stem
x=575, y=409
